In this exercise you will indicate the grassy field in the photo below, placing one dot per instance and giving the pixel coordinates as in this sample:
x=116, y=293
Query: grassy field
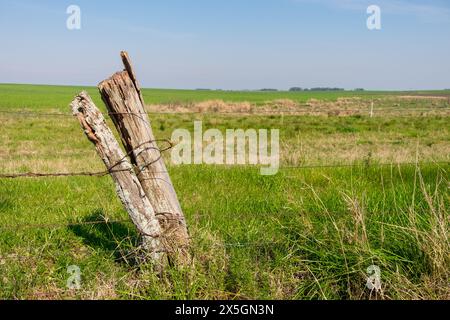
x=305, y=233
x=44, y=97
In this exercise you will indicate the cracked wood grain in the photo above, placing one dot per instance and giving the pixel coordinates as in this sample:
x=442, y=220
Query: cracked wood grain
x=123, y=98
x=127, y=184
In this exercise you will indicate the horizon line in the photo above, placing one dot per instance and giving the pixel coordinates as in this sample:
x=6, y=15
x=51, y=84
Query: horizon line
x=269, y=89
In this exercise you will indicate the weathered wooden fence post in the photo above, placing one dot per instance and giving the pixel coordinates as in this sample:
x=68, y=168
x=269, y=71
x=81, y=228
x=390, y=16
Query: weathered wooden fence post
x=128, y=187
x=123, y=98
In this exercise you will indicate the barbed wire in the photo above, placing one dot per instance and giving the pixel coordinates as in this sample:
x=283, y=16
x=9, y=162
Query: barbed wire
x=36, y=114
x=318, y=166
x=59, y=225
x=104, y=172
x=368, y=164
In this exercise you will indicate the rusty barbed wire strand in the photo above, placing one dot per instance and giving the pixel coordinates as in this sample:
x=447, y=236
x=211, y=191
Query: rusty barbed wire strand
x=143, y=167
x=37, y=114
x=106, y=172
x=60, y=225
x=370, y=164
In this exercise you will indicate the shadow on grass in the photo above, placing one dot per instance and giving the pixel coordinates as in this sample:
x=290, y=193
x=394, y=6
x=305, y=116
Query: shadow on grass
x=115, y=238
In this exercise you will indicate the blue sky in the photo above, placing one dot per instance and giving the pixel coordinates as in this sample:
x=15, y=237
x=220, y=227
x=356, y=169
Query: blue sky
x=229, y=44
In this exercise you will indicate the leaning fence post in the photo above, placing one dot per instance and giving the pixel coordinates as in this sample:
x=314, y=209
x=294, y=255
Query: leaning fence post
x=128, y=187
x=123, y=98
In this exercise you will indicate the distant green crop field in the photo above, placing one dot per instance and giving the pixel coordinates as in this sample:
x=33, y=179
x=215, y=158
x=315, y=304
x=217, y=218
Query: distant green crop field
x=44, y=97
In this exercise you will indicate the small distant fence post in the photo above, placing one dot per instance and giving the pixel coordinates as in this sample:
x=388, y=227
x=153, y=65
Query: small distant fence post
x=123, y=98
x=128, y=187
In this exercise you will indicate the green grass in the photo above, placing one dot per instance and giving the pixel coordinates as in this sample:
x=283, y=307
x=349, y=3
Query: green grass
x=301, y=234
x=290, y=236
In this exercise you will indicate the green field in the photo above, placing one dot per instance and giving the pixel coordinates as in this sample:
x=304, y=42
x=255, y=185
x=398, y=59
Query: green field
x=44, y=97
x=309, y=232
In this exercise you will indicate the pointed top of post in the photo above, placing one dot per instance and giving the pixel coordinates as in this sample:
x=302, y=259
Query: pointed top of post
x=129, y=68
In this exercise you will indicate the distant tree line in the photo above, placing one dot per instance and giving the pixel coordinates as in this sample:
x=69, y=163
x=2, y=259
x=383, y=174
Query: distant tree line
x=316, y=89
x=293, y=89
x=268, y=89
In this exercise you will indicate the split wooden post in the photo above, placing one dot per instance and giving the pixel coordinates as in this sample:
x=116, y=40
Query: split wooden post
x=123, y=98
x=128, y=187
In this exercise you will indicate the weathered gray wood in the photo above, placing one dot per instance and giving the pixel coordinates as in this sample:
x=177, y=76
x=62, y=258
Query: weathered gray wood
x=129, y=68
x=128, y=187
x=123, y=98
